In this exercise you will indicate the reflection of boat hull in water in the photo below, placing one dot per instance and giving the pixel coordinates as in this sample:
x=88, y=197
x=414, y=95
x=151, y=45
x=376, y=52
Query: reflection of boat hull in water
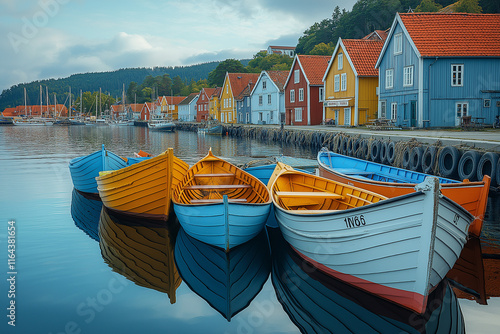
x=140, y=251
x=85, y=212
x=318, y=303
x=399, y=248
x=85, y=169
x=161, y=125
x=227, y=281
x=216, y=130
x=220, y=204
x=392, y=182
x=145, y=188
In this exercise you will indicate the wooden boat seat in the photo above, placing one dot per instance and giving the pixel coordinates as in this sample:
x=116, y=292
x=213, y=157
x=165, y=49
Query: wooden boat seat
x=215, y=175
x=218, y=200
x=308, y=194
x=217, y=186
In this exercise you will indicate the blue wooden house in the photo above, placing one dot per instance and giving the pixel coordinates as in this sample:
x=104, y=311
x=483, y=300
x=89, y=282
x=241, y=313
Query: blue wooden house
x=244, y=105
x=268, y=98
x=436, y=68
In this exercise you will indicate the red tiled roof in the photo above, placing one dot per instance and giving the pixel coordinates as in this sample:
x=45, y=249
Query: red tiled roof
x=216, y=92
x=239, y=81
x=377, y=35
x=279, y=78
x=245, y=92
x=454, y=34
x=282, y=47
x=173, y=99
x=314, y=67
x=364, y=54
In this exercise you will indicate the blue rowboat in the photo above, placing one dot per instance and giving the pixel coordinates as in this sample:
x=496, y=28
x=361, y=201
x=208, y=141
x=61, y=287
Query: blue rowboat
x=85, y=169
x=85, y=211
x=141, y=250
x=393, y=181
x=227, y=281
x=318, y=303
x=398, y=248
x=220, y=204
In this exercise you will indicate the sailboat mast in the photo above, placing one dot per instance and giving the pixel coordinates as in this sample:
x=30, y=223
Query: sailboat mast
x=55, y=105
x=69, y=112
x=81, y=103
x=100, y=102
x=123, y=98
x=48, y=98
x=25, y=104
x=41, y=110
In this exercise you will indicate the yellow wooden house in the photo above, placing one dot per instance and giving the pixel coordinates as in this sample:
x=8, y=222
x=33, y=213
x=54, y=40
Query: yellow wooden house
x=168, y=106
x=214, y=104
x=351, y=82
x=234, y=83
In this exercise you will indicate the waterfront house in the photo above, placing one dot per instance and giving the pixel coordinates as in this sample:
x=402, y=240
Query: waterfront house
x=202, y=104
x=281, y=50
x=168, y=106
x=244, y=105
x=304, y=90
x=187, y=108
x=351, y=81
x=268, y=97
x=437, y=68
x=57, y=110
x=214, y=104
x=234, y=84
x=149, y=111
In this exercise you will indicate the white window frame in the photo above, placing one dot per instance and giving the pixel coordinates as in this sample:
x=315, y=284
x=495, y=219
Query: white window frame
x=264, y=84
x=336, y=83
x=458, y=70
x=321, y=94
x=296, y=76
x=343, y=82
x=248, y=102
x=269, y=99
x=389, y=78
x=340, y=61
x=292, y=96
x=247, y=117
x=394, y=111
x=260, y=100
x=398, y=43
x=383, y=108
x=301, y=94
x=347, y=116
x=298, y=114
x=408, y=76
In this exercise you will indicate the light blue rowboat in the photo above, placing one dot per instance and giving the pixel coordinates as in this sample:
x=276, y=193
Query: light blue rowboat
x=398, y=248
x=85, y=169
x=318, y=303
x=220, y=204
x=227, y=281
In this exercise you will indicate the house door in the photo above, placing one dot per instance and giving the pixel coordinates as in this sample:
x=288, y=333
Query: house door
x=413, y=113
x=347, y=116
x=462, y=109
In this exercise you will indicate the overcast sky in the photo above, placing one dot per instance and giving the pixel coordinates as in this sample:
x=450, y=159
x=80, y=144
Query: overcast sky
x=43, y=39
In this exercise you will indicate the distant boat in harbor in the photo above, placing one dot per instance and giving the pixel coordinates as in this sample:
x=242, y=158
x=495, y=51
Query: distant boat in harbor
x=161, y=125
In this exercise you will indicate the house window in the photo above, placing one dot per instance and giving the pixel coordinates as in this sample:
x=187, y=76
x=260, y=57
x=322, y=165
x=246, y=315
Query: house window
x=203, y=97
x=301, y=94
x=457, y=75
x=230, y=102
x=487, y=103
x=227, y=89
x=264, y=84
x=398, y=44
x=292, y=95
x=296, y=76
x=271, y=113
x=298, y=114
x=408, y=76
x=394, y=111
x=229, y=116
x=336, y=82
x=383, y=109
x=248, y=118
x=389, y=78
x=343, y=82
x=340, y=61
x=260, y=100
x=347, y=116
x=248, y=102
x=269, y=99
x=321, y=94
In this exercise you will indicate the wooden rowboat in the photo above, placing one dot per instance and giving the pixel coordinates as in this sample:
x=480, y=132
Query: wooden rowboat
x=85, y=169
x=392, y=182
x=220, y=204
x=228, y=281
x=140, y=251
x=318, y=303
x=145, y=188
x=398, y=248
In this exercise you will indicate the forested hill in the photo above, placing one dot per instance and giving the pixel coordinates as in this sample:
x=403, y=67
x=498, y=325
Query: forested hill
x=109, y=82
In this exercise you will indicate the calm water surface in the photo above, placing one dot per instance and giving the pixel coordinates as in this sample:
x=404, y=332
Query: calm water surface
x=70, y=280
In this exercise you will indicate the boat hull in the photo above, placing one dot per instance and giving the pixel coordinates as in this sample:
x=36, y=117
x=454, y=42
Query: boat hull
x=472, y=196
x=85, y=169
x=145, y=188
x=399, y=248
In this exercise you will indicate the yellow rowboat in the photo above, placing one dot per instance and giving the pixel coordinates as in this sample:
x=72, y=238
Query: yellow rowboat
x=143, y=189
x=220, y=204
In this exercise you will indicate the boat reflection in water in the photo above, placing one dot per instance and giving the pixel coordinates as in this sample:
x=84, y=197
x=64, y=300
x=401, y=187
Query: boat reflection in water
x=140, y=250
x=85, y=211
x=318, y=303
x=227, y=281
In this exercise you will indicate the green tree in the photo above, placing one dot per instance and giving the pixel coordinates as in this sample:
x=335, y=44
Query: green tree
x=468, y=6
x=323, y=49
x=177, y=86
x=146, y=93
x=132, y=91
x=217, y=76
x=428, y=6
